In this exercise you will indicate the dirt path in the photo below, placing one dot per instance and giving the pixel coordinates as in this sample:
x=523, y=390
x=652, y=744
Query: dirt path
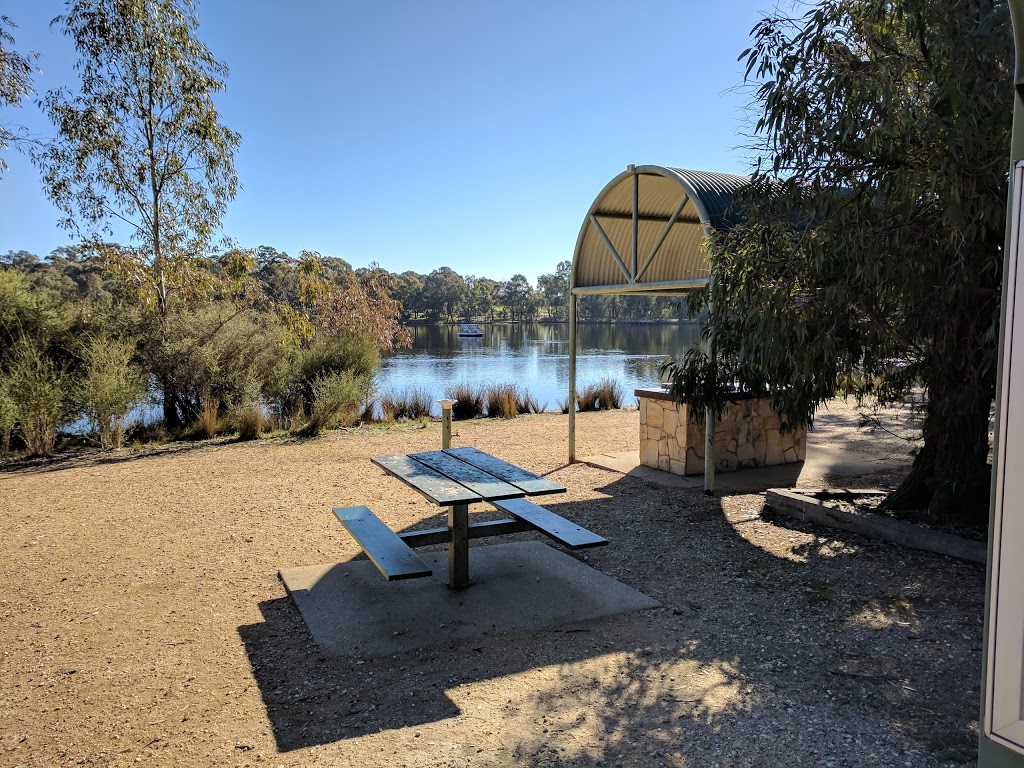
x=142, y=622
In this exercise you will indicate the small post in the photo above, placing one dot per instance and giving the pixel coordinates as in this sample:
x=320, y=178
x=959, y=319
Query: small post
x=446, y=423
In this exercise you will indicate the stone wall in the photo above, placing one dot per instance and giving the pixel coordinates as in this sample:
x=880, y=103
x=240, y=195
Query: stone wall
x=747, y=435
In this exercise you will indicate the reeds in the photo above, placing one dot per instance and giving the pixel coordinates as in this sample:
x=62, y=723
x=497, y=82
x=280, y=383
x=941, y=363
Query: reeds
x=407, y=404
x=469, y=401
x=507, y=401
x=604, y=396
x=502, y=401
x=208, y=416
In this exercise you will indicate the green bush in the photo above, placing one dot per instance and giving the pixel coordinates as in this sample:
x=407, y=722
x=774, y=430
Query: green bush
x=110, y=387
x=213, y=351
x=289, y=387
x=8, y=418
x=336, y=399
x=39, y=392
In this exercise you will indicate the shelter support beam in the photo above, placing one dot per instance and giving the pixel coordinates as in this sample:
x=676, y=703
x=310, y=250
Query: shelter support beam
x=636, y=227
x=611, y=248
x=661, y=237
x=661, y=287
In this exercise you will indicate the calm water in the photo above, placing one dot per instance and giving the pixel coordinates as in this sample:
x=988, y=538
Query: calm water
x=537, y=357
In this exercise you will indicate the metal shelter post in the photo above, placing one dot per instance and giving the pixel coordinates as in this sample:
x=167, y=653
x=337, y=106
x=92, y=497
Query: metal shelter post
x=709, y=414
x=572, y=377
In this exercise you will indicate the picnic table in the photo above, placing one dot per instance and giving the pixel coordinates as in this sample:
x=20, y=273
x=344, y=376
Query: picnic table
x=456, y=478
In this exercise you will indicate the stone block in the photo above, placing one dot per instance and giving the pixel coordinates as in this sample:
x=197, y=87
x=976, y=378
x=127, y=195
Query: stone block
x=725, y=463
x=654, y=414
x=642, y=403
x=675, y=451
x=773, y=449
x=790, y=454
x=670, y=420
x=649, y=453
x=694, y=463
x=745, y=454
x=677, y=467
x=664, y=463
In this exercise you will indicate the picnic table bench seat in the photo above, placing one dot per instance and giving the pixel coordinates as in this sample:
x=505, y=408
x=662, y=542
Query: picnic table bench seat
x=392, y=556
x=565, y=532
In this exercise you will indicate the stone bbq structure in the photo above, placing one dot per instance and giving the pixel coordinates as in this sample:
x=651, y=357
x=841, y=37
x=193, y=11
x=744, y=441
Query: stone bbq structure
x=748, y=435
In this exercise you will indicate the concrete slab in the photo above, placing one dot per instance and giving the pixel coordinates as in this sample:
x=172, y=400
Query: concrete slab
x=351, y=610
x=825, y=461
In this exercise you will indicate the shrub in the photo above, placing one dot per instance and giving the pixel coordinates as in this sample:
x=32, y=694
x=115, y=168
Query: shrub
x=336, y=398
x=214, y=351
x=40, y=395
x=502, y=401
x=140, y=433
x=110, y=387
x=8, y=418
x=289, y=387
x=469, y=401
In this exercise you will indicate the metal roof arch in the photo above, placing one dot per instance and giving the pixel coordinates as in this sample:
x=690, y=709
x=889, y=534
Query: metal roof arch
x=645, y=231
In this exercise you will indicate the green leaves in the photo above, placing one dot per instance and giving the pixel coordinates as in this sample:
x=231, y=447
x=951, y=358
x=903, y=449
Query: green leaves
x=141, y=142
x=873, y=265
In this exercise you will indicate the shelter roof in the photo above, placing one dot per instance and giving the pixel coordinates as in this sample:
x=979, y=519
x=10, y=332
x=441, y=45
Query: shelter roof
x=644, y=233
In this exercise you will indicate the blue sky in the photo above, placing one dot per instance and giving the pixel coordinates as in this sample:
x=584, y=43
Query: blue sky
x=473, y=135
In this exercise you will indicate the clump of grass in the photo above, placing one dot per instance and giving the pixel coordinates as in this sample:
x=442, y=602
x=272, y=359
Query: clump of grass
x=140, y=434
x=208, y=420
x=248, y=419
x=604, y=396
x=469, y=401
x=526, y=402
x=408, y=404
x=502, y=401
x=369, y=412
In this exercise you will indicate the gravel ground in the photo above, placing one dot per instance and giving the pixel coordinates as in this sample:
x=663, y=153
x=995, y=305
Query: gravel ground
x=142, y=622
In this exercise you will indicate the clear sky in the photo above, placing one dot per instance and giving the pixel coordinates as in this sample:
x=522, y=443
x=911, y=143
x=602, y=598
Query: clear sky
x=469, y=134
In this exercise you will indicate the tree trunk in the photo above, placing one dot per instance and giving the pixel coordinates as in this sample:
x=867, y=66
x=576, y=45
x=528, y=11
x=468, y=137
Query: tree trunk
x=951, y=474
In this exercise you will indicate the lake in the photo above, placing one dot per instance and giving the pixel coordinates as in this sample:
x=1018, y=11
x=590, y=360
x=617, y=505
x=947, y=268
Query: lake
x=536, y=356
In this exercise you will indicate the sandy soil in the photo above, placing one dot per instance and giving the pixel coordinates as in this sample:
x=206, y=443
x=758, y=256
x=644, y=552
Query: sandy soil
x=142, y=622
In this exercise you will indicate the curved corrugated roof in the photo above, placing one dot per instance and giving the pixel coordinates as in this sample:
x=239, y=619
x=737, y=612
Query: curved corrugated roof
x=645, y=231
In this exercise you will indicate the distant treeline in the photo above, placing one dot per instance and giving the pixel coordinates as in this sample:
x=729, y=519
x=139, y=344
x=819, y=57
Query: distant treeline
x=440, y=296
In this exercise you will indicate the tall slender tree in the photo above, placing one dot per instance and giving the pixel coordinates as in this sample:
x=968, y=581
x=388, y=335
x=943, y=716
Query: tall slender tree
x=141, y=142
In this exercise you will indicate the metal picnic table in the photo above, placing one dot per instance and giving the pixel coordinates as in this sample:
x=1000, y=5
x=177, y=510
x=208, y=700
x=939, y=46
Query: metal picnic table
x=456, y=478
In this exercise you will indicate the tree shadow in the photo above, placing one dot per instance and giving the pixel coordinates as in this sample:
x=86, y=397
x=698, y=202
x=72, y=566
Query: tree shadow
x=777, y=642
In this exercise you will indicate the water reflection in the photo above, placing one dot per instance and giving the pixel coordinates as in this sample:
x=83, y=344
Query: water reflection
x=536, y=356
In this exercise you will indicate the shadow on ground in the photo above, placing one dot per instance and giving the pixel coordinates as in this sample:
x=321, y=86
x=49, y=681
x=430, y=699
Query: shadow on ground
x=777, y=643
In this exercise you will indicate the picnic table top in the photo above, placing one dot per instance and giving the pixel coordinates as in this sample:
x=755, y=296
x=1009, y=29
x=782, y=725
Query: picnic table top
x=465, y=475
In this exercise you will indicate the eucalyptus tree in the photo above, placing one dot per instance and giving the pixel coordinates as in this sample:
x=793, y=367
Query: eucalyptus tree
x=141, y=142
x=869, y=258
